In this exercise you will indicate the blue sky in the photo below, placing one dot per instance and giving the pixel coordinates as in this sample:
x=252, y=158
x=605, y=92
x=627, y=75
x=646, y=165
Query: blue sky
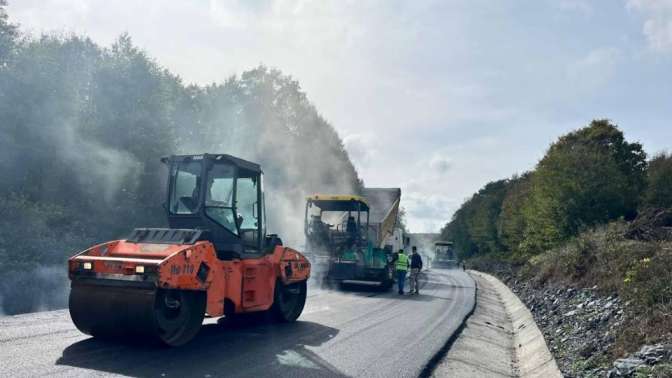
x=438, y=97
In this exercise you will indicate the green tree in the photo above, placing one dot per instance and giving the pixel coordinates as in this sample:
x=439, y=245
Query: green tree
x=587, y=177
x=482, y=223
x=659, y=176
x=512, y=222
x=473, y=227
x=457, y=231
x=8, y=35
x=263, y=115
x=82, y=128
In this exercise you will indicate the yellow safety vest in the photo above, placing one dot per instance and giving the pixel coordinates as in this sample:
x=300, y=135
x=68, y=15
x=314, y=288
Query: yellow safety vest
x=402, y=262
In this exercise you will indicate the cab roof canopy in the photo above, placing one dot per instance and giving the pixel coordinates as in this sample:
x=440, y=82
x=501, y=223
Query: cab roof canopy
x=240, y=163
x=338, y=202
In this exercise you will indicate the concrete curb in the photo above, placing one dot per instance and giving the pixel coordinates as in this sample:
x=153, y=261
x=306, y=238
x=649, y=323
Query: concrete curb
x=501, y=339
x=530, y=349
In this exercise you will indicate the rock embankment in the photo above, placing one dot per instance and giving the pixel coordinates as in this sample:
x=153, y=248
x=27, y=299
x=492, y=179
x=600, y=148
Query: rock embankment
x=649, y=361
x=581, y=327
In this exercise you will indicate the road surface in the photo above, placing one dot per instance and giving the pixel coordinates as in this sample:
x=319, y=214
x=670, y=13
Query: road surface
x=339, y=334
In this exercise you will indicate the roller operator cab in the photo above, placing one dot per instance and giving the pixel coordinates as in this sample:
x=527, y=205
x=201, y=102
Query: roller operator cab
x=215, y=259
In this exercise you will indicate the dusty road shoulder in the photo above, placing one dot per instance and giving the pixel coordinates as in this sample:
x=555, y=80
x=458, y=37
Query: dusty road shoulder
x=500, y=339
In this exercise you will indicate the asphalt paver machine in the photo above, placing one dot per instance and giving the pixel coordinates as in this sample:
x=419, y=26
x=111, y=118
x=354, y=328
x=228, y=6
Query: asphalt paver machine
x=338, y=235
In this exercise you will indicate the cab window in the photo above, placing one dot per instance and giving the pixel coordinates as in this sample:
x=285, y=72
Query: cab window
x=247, y=205
x=186, y=179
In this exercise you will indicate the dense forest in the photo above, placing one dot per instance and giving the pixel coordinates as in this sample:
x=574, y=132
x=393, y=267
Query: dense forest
x=587, y=178
x=595, y=214
x=82, y=128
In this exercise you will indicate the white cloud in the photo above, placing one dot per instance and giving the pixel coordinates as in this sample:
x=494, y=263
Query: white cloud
x=595, y=69
x=580, y=6
x=657, y=27
x=659, y=33
x=429, y=211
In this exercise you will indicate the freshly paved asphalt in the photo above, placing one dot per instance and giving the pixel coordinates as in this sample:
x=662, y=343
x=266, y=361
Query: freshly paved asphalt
x=356, y=333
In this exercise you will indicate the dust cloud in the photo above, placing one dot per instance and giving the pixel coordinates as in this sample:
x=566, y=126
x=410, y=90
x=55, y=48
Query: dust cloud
x=80, y=160
x=82, y=129
x=425, y=245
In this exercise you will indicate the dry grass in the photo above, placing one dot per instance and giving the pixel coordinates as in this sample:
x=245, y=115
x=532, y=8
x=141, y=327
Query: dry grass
x=640, y=272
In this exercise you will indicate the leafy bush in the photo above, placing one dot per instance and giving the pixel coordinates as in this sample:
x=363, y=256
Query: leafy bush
x=658, y=193
x=601, y=256
x=638, y=271
x=647, y=280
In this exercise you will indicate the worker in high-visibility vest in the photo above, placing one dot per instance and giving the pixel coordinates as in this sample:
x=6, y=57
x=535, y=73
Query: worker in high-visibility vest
x=401, y=265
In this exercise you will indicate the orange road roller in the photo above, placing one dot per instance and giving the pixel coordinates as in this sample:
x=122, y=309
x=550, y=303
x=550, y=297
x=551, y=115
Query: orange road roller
x=215, y=259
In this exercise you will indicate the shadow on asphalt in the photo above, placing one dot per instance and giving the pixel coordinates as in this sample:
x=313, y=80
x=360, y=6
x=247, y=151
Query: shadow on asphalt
x=362, y=290
x=425, y=284
x=424, y=297
x=355, y=289
x=227, y=349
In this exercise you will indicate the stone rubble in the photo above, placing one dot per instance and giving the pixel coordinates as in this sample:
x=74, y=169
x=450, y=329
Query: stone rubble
x=643, y=362
x=581, y=326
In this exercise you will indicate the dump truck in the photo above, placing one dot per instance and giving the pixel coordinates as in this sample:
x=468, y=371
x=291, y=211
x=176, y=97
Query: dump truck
x=384, y=226
x=444, y=255
x=353, y=241
x=215, y=259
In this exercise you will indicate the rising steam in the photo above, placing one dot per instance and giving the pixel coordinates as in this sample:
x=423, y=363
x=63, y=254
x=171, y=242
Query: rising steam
x=82, y=129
